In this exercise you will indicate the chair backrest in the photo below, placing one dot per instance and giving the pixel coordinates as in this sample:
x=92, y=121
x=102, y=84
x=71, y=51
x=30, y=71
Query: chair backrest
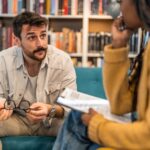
x=89, y=81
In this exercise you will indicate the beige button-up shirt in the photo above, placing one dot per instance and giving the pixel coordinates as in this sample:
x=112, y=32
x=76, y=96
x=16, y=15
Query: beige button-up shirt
x=56, y=73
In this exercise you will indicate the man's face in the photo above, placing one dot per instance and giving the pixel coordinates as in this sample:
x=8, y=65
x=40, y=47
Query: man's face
x=34, y=41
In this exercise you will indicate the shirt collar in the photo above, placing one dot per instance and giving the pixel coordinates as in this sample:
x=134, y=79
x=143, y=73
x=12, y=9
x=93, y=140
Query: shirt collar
x=20, y=61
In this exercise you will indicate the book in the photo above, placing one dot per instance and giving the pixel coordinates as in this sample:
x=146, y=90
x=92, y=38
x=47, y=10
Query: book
x=82, y=102
x=48, y=7
x=65, y=7
x=74, y=7
x=4, y=6
x=0, y=6
x=80, y=7
x=94, y=7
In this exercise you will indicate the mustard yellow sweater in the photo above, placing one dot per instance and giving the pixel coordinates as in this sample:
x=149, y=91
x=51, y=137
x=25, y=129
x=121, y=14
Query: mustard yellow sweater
x=123, y=135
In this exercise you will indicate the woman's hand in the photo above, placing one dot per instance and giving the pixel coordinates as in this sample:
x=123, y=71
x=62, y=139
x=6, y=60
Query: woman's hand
x=86, y=117
x=120, y=36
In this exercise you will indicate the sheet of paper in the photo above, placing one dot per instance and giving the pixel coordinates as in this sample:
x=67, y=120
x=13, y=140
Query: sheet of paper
x=82, y=102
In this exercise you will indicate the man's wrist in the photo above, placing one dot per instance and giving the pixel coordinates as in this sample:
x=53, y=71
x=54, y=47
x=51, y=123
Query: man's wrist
x=59, y=111
x=52, y=112
x=51, y=115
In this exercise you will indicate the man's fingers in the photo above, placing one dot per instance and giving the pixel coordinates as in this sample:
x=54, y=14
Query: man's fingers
x=5, y=114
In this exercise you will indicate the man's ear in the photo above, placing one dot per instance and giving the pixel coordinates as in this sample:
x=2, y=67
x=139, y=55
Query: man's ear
x=16, y=40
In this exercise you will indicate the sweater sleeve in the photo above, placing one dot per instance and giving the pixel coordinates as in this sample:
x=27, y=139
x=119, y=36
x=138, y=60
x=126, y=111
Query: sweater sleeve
x=115, y=79
x=119, y=135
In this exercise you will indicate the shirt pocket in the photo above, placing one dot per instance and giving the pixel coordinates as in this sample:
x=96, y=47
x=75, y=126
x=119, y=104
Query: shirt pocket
x=54, y=90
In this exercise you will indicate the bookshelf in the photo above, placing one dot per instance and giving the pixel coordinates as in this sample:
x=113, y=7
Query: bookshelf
x=81, y=22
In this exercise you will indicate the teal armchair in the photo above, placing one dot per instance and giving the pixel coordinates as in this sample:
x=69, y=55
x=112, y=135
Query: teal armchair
x=89, y=81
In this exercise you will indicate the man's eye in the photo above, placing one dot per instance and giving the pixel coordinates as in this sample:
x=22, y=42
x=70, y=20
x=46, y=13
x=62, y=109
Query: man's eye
x=43, y=36
x=31, y=38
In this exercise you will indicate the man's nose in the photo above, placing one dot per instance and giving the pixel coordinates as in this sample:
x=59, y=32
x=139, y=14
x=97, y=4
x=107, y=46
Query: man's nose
x=39, y=41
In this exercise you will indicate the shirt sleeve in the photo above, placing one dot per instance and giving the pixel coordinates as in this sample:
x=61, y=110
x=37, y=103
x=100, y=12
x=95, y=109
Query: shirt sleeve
x=3, y=80
x=69, y=80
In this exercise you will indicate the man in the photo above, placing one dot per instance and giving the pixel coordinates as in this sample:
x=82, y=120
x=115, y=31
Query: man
x=32, y=75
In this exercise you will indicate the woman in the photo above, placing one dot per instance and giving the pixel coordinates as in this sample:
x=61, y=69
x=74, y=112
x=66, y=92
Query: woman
x=126, y=93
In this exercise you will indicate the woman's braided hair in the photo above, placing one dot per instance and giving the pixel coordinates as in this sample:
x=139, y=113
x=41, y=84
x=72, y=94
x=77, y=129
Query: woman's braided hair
x=134, y=75
x=143, y=10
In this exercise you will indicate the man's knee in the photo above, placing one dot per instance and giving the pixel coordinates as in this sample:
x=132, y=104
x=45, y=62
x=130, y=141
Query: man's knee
x=12, y=126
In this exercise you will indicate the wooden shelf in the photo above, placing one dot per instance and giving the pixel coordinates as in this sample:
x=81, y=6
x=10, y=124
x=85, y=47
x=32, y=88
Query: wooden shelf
x=7, y=15
x=63, y=17
x=105, y=17
x=75, y=54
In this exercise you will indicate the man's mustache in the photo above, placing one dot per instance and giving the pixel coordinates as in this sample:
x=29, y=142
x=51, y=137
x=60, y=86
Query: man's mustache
x=40, y=49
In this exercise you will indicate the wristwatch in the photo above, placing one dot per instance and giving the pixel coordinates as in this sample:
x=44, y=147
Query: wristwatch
x=49, y=119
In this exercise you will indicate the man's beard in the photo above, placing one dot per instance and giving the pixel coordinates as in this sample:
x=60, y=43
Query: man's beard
x=39, y=49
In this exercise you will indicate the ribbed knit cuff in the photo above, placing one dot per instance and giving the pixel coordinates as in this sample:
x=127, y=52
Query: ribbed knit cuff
x=115, y=55
x=93, y=128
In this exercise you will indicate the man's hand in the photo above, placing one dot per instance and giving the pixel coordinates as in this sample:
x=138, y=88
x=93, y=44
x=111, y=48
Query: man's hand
x=38, y=111
x=4, y=113
x=86, y=117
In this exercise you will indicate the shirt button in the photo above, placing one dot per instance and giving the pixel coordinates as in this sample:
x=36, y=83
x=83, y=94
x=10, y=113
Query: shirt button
x=24, y=77
x=20, y=95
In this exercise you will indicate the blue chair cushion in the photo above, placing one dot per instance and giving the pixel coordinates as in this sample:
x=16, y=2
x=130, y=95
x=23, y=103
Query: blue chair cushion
x=89, y=81
x=28, y=142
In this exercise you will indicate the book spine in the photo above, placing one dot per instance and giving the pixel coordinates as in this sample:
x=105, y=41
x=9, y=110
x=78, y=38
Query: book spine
x=80, y=7
x=79, y=42
x=69, y=7
x=4, y=6
x=105, y=6
x=52, y=7
x=100, y=7
x=41, y=6
x=56, y=7
x=15, y=6
x=48, y=7
x=10, y=5
x=95, y=7
x=20, y=6
x=74, y=7
x=0, y=6
x=65, y=7
x=31, y=5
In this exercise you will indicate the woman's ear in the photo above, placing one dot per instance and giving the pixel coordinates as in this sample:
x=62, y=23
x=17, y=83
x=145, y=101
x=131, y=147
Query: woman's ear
x=16, y=40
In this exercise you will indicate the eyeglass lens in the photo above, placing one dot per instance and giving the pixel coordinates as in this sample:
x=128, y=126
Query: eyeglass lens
x=24, y=105
x=9, y=105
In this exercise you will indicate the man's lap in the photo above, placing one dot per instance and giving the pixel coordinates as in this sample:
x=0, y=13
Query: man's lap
x=17, y=125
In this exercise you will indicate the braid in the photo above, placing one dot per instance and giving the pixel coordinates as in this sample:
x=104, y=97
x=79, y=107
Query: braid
x=135, y=73
x=137, y=64
x=136, y=68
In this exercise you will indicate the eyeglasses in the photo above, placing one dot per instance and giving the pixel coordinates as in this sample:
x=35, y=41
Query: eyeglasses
x=22, y=108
